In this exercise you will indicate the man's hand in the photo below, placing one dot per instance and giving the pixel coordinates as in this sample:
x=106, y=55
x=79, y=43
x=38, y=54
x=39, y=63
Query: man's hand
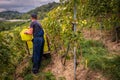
x=26, y=32
x=29, y=31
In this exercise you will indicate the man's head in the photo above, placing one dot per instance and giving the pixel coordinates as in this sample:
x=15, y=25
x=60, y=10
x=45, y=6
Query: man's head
x=34, y=16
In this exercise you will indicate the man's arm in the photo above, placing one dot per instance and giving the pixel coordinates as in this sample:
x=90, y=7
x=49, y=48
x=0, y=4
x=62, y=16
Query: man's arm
x=30, y=31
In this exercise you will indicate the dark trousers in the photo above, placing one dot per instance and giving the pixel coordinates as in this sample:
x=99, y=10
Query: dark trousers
x=38, y=47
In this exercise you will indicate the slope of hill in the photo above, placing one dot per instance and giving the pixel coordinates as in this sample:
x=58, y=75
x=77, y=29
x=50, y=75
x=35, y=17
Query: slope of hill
x=42, y=10
x=97, y=57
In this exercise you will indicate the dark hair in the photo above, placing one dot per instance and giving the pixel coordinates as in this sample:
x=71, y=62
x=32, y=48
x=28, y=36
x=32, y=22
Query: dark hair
x=33, y=15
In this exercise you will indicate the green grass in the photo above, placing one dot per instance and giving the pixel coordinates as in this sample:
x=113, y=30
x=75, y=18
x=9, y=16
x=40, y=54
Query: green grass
x=100, y=59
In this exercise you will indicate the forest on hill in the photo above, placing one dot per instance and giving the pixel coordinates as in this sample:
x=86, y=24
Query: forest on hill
x=95, y=40
x=10, y=15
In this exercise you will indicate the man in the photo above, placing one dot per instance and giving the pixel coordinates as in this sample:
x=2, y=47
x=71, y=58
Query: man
x=38, y=42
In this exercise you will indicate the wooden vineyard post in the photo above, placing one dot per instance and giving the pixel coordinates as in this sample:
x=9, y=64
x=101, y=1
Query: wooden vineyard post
x=74, y=29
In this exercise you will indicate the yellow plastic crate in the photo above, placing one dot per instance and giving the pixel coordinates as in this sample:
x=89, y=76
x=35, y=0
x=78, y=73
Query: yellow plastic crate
x=30, y=45
x=25, y=37
x=45, y=45
x=28, y=38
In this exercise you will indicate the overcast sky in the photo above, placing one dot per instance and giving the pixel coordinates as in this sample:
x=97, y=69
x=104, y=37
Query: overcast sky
x=22, y=5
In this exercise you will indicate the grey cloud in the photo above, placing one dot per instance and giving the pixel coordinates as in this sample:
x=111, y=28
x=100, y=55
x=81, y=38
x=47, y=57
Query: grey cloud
x=22, y=5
